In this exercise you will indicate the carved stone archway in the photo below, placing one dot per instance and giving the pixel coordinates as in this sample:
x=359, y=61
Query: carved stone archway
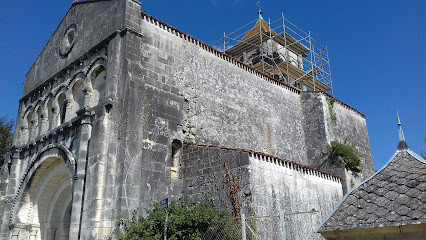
x=42, y=209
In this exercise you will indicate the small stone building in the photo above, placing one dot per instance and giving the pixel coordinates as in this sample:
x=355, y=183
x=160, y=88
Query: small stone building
x=389, y=205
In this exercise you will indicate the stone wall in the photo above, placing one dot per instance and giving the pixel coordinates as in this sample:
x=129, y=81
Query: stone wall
x=352, y=127
x=304, y=195
x=326, y=120
x=224, y=104
x=143, y=121
x=210, y=172
x=267, y=186
x=228, y=104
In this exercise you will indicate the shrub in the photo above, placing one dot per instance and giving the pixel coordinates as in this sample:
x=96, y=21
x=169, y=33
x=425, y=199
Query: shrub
x=184, y=221
x=349, y=155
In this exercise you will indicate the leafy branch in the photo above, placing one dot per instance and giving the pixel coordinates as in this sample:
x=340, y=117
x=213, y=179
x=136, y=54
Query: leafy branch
x=349, y=154
x=6, y=136
x=184, y=221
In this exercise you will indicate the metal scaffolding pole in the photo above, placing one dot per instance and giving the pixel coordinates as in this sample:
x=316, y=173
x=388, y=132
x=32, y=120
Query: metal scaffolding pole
x=285, y=53
x=329, y=70
x=312, y=64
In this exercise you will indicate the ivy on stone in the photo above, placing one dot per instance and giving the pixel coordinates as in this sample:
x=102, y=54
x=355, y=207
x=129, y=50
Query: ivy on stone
x=349, y=154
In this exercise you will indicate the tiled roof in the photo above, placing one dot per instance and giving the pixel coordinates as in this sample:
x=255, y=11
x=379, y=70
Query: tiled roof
x=395, y=195
x=260, y=26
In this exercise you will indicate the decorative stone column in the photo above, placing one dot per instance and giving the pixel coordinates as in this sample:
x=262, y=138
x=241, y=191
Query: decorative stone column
x=55, y=118
x=12, y=187
x=68, y=105
x=33, y=128
x=24, y=134
x=87, y=91
x=44, y=124
x=80, y=177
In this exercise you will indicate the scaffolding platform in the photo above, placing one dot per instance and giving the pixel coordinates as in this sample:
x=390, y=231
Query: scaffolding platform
x=301, y=76
x=281, y=50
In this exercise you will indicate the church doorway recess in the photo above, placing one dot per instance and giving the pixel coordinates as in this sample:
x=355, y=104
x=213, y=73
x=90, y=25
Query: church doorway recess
x=44, y=211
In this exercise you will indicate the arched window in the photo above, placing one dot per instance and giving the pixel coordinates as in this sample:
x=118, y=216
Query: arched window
x=25, y=128
x=78, y=96
x=39, y=121
x=176, y=146
x=50, y=115
x=30, y=126
x=62, y=108
x=98, y=86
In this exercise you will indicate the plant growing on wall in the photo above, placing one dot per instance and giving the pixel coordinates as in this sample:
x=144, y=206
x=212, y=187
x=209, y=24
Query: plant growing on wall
x=331, y=102
x=352, y=183
x=184, y=221
x=348, y=153
x=232, y=185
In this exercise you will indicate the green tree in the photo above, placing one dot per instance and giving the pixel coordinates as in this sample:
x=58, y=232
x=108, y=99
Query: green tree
x=6, y=135
x=184, y=221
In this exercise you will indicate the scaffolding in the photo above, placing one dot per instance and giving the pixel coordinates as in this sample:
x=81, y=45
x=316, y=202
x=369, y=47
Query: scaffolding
x=281, y=50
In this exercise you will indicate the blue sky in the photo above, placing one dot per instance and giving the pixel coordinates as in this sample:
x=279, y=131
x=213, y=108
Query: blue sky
x=377, y=51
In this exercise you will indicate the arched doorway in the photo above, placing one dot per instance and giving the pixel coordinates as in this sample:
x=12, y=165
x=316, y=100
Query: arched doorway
x=44, y=211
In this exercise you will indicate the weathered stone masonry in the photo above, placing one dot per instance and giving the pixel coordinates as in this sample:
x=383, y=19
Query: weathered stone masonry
x=120, y=108
x=267, y=185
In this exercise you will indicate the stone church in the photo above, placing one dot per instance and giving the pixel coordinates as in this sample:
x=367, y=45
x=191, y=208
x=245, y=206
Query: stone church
x=121, y=110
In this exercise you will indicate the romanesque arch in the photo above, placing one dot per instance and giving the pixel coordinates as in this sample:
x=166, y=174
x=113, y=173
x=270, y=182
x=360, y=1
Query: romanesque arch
x=61, y=108
x=51, y=116
x=25, y=133
x=96, y=81
x=42, y=209
x=38, y=126
x=77, y=96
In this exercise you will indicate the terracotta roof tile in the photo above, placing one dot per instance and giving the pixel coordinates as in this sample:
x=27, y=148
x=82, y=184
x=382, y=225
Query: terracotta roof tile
x=260, y=26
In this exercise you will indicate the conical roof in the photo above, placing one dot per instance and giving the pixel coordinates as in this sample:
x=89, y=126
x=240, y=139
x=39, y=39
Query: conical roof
x=393, y=197
x=402, y=143
x=260, y=27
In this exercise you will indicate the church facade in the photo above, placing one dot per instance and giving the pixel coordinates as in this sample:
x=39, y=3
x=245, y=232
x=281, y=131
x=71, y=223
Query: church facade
x=121, y=110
